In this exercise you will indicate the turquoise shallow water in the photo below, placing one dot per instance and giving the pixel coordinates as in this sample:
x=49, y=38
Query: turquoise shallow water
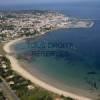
x=80, y=68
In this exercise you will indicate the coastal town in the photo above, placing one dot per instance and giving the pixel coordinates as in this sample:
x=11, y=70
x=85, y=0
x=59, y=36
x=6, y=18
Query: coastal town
x=18, y=24
x=15, y=25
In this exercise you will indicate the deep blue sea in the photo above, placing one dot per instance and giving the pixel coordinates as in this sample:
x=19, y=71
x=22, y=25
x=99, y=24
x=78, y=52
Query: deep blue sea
x=79, y=71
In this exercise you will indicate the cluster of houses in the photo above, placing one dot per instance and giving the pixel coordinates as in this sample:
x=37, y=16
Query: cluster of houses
x=19, y=24
x=14, y=80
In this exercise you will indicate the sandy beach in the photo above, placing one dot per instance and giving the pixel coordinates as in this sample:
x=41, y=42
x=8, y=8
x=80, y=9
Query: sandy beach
x=16, y=66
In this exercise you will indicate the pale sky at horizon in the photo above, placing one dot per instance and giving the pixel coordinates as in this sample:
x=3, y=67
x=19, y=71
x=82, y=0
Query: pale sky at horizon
x=7, y=2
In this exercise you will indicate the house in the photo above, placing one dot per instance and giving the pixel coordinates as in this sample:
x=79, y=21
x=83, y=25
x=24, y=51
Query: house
x=10, y=77
x=30, y=87
x=4, y=66
x=11, y=83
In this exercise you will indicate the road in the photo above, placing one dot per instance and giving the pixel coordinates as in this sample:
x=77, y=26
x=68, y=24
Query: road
x=7, y=90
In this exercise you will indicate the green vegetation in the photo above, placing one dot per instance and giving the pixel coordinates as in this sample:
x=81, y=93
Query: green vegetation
x=66, y=98
x=21, y=85
x=2, y=96
x=29, y=34
x=0, y=80
x=7, y=27
x=2, y=35
x=35, y=94
x=7, y=61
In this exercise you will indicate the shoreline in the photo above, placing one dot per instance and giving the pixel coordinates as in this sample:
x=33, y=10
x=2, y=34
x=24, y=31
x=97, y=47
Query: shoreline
x=17, y=67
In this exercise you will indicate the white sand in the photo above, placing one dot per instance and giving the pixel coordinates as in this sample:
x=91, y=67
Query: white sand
x=26, y=74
